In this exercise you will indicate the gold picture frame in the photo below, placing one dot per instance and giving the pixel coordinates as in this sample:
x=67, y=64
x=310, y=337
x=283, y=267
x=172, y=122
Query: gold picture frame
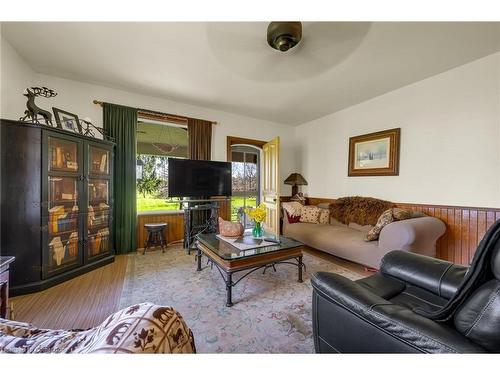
x=375, y=154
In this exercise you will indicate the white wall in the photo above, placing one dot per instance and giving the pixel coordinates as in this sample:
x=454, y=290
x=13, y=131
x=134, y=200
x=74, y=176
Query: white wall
x=15, y=76
x=76, y=97
x=450, y=141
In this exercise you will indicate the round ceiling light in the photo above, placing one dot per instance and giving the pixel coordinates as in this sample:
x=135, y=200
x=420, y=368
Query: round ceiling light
x=283, y=36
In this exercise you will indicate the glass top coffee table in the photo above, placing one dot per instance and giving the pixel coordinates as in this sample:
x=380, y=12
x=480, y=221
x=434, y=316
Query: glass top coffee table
x=228, y=259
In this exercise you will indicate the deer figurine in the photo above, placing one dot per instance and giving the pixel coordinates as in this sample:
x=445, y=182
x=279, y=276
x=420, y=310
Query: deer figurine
x=33, y=110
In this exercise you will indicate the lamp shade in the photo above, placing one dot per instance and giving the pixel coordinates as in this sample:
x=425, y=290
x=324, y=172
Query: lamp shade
x=295, y=179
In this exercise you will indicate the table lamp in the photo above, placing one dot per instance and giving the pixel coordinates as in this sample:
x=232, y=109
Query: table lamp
x=295, y=179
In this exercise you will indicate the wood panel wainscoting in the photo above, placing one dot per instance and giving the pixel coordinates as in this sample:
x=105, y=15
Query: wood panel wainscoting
x=175, y=221
x=465, y=226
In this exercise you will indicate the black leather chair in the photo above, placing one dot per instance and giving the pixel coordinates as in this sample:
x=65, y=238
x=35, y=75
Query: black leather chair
x=380, y=313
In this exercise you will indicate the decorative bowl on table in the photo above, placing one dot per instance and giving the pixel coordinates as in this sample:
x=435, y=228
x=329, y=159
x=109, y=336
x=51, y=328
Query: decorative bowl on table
x=230, y=229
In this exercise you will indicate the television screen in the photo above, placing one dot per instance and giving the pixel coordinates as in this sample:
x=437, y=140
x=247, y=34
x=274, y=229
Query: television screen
x=198, y=178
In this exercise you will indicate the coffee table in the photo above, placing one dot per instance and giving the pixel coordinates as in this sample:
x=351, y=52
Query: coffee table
x=229, y=260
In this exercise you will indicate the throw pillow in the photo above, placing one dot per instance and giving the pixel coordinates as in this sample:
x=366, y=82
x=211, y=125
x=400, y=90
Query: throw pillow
x=324, y=216
x=383, y=220
x=292, y=208
x=292, y=219
x=387, y=217
x=230, y=229
x=309, y=214
x=298, y=198
x=401, y=214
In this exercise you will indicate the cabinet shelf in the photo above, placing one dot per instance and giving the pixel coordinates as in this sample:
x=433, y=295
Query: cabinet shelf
x=63, y=201
x=98, y=226
x=63, y=233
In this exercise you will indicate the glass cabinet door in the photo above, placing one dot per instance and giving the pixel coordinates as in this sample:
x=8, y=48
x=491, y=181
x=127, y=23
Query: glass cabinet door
x=62, y=225
x=98, y=217
x=98, y=161
x=63, y=155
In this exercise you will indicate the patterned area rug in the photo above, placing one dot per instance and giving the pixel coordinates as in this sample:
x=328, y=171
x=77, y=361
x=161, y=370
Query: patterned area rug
x=271, y=312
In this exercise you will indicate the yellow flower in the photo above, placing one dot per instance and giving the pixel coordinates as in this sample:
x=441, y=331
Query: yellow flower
x=258, y=214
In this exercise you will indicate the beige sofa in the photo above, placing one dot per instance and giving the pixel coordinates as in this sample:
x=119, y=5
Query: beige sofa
x=418, y=234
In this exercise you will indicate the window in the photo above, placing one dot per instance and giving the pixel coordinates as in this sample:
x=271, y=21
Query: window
x=156, y=142
x=245, y=174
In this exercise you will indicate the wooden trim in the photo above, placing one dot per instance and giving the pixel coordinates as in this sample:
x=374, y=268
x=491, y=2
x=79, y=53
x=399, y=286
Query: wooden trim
x=237, y=140
x=465, y=226
x=393, y=169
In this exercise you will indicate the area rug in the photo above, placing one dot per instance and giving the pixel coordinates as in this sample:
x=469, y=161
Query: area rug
x=271, y=311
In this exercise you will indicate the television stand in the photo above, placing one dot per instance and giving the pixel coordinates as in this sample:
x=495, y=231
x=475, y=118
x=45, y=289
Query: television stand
x=200, y=216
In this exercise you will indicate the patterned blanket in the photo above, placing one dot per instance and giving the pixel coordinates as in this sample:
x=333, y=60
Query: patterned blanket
x=141, y=328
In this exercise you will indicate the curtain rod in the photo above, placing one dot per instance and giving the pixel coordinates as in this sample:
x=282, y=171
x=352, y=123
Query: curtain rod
x=154, y=115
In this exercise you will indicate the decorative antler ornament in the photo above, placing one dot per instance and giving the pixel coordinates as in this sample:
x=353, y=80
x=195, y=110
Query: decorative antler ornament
x=33, y=112
x=88, y=130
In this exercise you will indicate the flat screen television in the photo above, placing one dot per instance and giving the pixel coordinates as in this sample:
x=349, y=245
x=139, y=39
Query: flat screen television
x=198, y=178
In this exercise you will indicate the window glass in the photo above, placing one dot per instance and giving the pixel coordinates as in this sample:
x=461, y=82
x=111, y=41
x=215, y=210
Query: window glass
x=155, y=144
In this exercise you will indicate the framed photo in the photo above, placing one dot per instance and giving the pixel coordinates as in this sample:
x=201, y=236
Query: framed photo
x=67, y=121
x=375, y=154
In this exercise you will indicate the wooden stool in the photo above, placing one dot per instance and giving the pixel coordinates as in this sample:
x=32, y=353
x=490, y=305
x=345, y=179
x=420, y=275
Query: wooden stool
x=155, y=236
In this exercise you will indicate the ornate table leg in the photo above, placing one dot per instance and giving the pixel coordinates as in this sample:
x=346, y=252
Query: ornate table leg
x=198, y=257
x=229, y=288
x=300, y=268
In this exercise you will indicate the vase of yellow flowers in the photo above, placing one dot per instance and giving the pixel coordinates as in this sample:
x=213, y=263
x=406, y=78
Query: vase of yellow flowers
x=258, y=214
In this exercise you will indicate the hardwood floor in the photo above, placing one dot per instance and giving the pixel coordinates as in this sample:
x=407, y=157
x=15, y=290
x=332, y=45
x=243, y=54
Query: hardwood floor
x=87, y=300
x=354, y=267
x=82, y=302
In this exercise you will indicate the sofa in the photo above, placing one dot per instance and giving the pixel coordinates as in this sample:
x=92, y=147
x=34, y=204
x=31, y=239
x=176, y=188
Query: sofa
x=142, y=328
x=347, y=240
x=414, y=304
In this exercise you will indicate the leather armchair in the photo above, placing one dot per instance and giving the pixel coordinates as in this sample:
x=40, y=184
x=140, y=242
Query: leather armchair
x=379, y=314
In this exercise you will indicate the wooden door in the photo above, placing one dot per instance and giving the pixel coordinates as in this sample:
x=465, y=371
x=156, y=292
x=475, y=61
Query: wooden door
x=271, y=185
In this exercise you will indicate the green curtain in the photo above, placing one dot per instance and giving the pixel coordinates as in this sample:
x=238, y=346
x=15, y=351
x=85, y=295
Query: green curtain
x=121, y=123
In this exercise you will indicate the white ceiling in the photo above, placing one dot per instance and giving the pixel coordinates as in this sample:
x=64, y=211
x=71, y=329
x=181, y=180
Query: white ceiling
x=229, y=66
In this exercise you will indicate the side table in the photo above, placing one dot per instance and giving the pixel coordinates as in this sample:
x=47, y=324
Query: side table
x=5, y=261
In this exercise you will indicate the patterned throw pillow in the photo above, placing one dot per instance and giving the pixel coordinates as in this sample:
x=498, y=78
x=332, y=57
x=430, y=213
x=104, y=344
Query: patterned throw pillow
x=292, y=208
x=324, y=216
x=387, y=217
x=309, y=214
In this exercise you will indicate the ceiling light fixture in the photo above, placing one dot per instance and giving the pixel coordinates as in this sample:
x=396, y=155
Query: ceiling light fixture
x=283, y=36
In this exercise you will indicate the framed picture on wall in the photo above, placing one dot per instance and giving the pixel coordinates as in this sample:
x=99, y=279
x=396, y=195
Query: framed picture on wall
x=375, y=154
x=67, y=121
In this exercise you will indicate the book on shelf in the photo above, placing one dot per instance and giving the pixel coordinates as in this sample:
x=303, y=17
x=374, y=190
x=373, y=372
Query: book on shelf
x=59, y=157
x=54, y=214
x=102, y=167
x=72, y=244
x=58, y=250
x=67, y=196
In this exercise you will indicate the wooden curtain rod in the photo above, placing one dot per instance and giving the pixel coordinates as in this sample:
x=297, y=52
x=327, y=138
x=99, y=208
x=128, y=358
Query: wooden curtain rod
x=159, y=116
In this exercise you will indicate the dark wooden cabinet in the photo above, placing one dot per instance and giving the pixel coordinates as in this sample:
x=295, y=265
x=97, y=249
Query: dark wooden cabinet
x=57, y=204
